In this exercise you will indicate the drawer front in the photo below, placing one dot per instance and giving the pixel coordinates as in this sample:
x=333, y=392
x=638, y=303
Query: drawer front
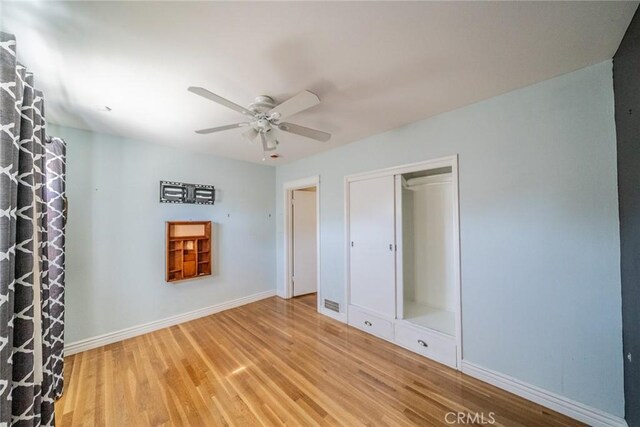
x=432, y=345
x=372, y=324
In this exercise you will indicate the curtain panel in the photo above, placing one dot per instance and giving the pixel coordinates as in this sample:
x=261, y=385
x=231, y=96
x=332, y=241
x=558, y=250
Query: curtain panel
x=31, y=307
x=56, y=221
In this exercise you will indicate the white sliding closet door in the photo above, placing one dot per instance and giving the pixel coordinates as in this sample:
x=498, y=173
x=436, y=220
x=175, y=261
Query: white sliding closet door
x=372, y=246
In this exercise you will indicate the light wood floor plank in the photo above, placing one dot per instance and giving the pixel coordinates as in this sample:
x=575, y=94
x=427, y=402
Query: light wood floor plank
x=275, y=362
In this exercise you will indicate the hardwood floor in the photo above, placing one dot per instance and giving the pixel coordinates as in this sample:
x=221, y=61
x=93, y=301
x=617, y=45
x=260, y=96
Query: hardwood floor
x=275, y=362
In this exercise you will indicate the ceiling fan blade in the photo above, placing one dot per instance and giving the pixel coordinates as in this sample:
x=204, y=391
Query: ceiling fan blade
x=318, y=135
x=299, y=102
x=220, y=128
x=220, y=100
x=251, y=134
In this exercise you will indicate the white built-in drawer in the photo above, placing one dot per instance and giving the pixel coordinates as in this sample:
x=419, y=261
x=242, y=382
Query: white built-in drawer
x=433, y=345
x=370, y=323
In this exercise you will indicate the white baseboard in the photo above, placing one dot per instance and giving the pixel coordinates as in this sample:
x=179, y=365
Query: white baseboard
x=111, y=337
x=340, y=317
x=579, y=411
x=281, y=294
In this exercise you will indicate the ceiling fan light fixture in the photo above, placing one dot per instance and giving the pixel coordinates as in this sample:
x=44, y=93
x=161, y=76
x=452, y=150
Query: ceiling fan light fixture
x=251, y=134
x=270, y=134
x=269, y=145
x=269, y=142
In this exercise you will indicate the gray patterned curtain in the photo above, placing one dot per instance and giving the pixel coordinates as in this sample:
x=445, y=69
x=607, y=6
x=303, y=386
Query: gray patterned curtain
x=31, y=304
x=56, y=221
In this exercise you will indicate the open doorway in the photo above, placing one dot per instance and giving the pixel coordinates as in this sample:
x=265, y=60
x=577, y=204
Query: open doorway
x=302, y=240
x=304, y=265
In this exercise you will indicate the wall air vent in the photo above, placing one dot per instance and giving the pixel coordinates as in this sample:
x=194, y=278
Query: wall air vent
x=332, y=305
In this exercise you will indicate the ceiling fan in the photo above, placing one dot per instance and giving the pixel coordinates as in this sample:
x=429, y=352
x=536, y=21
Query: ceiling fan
x=264, y=117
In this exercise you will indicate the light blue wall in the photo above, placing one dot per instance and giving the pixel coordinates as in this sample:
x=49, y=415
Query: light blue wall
x=539, y=228
x=115, y=231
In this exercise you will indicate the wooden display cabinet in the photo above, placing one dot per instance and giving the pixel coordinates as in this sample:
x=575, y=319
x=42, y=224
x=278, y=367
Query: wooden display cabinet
x=188, y=250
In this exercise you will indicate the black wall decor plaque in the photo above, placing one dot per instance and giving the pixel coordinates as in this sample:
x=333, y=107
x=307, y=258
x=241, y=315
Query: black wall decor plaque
x=180, y=192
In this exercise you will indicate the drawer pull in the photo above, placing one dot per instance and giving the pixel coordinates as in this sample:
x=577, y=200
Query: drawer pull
x=366, y=322
x=422, y=343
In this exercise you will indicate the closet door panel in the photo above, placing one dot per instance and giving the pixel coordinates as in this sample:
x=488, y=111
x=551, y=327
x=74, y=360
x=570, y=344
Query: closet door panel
x=372, y=246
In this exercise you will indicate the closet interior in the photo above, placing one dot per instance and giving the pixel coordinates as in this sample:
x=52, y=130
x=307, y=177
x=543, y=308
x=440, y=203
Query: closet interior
x=403, y=257
x=428, y=294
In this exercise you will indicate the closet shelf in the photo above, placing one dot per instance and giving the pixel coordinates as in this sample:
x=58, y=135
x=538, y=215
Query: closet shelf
x=434, y=318
x=173, y=238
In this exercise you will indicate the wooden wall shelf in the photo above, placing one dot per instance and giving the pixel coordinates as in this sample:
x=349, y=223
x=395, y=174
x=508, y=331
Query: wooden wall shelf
x=188, y=250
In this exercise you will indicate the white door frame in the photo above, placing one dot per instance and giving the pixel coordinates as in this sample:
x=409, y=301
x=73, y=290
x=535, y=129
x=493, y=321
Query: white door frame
x=448, y=161
x=288, y=188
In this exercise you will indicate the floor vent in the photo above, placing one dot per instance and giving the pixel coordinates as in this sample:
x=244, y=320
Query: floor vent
x=332, y=305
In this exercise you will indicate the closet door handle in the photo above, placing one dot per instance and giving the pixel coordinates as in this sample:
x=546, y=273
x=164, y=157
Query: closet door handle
x=422, y=343
x=366, y=322
x=391, y=246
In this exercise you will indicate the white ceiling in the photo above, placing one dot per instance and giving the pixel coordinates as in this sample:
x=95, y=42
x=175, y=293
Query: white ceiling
x=375, y=66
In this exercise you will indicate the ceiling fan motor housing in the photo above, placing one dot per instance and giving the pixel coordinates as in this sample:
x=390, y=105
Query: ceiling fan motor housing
x=262, y=104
